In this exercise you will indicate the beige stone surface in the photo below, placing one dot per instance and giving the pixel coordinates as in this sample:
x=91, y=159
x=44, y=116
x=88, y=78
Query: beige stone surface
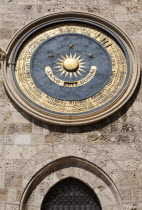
x=27, y=145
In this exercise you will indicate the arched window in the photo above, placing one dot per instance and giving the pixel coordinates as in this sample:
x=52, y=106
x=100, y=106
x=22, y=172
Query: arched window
x=71, y=194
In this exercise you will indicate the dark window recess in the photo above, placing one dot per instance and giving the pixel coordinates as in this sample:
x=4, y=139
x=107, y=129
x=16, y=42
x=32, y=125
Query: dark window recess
x=71, y=194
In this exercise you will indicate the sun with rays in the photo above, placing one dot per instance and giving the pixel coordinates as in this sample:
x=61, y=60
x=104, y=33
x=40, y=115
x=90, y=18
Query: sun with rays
x=70, y=65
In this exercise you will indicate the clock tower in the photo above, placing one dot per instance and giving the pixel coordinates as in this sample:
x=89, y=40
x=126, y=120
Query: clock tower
x=70, y=132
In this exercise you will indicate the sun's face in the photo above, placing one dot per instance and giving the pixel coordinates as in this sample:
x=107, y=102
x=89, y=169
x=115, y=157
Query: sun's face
x=70, y=65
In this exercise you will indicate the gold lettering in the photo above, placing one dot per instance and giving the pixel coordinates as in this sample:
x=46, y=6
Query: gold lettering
x=105, y=42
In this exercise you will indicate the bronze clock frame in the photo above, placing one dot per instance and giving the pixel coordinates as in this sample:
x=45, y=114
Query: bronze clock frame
x=71, y=120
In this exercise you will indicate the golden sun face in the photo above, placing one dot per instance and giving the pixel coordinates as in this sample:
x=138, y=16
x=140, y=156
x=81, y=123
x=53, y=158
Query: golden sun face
x=70, y=65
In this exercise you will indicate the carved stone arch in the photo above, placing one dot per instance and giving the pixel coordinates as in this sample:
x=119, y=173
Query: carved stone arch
x=77, y=168
x=70, y=193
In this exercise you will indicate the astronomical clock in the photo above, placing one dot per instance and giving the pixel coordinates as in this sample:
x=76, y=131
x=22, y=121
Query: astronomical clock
x=71, y=68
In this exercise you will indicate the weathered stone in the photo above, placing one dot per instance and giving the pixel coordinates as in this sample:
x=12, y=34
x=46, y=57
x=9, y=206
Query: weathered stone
x=22, y=139
x=3, y=194
x=13, y=180
x=13, y=152
x=5, y=33
x=114, y=144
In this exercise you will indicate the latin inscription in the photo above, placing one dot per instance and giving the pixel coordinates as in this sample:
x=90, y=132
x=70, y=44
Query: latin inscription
x=78, y=83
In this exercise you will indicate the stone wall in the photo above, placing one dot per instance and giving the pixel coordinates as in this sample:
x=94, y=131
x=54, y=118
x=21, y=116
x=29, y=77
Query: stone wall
x=114, y=145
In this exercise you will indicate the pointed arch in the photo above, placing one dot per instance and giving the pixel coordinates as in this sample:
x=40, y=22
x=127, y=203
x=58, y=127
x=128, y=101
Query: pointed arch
x=71, y=193
x=66, y=167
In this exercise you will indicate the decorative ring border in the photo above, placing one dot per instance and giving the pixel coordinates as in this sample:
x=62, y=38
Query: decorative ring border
x=71, y=120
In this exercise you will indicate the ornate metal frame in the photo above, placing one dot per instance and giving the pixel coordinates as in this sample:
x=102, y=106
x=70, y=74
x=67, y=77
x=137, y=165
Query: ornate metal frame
x=69, y=120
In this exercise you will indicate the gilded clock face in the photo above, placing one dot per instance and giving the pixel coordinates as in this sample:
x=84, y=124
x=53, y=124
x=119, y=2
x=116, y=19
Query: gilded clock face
x=71, y=71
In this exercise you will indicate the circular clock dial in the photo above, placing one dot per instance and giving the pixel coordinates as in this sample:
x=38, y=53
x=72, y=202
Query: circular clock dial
x=71, y=71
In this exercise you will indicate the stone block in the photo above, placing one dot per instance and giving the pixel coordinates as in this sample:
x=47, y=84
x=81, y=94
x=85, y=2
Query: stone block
x=49, y=139
x=129, y=165
x=37, y=139
x=4, y=106
x=13, y=128
x=3, y=194
x=22, y=139
x=26, y=128
x=2, y=176
x=5, y=33
x=13, y=152
x=127, y=17
x=12, y=179
x=16, y=164
x=29, y=151
x=12, y=195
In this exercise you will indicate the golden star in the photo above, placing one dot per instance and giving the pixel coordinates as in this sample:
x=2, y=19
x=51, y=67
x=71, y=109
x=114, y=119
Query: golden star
x=90, y=55
x=70, y=46
x=51, y=55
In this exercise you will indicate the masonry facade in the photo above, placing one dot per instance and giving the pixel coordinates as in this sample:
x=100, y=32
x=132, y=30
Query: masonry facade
x=106, y=155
